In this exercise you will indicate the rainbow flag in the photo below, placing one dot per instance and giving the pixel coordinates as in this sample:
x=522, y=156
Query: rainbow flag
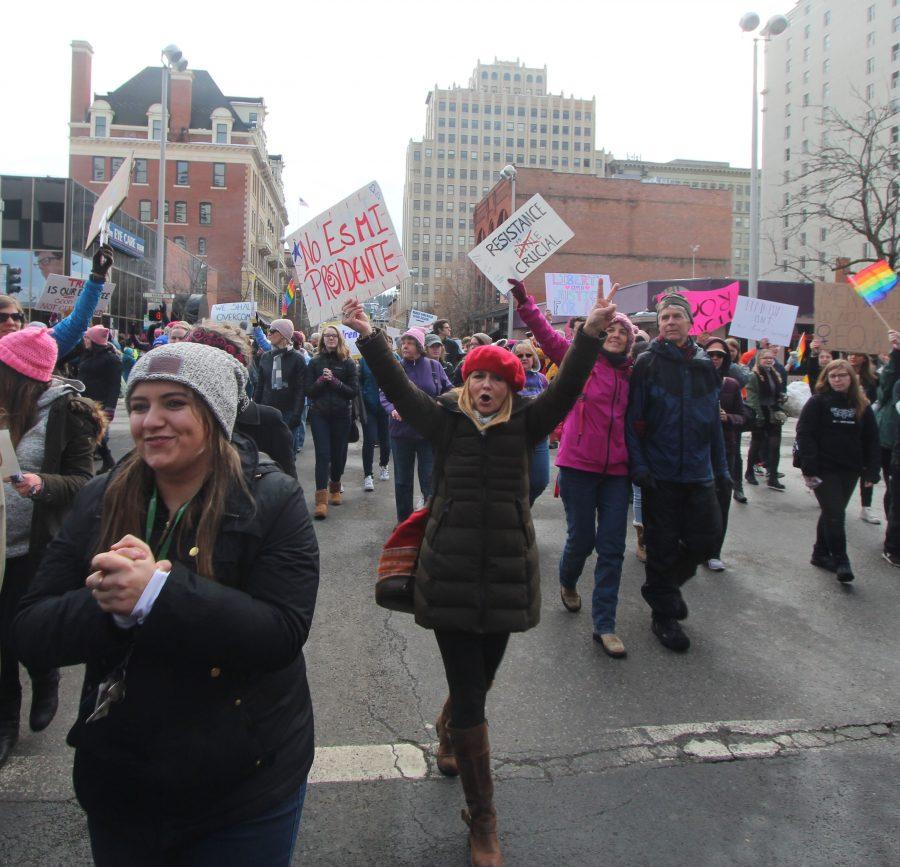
x=873, y=284
x=802, y=346
x=288, y=298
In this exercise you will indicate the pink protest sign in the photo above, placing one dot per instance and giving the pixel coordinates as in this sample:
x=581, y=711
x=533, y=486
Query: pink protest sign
x=711, y=309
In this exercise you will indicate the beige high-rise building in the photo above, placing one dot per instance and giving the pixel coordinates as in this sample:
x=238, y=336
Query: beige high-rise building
x=701, y=175
x=836, y=55
x=504, y=115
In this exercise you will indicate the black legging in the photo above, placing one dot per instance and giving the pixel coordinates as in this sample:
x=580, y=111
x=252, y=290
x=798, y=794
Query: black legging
x=833, y=495
x=765, y=446
x=470, y=663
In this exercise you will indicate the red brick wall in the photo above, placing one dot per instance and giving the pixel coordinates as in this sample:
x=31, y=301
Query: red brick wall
x=80, y=101
x=629, y=230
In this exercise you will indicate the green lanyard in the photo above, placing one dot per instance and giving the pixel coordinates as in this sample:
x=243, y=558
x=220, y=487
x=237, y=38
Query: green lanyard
x=166, y=541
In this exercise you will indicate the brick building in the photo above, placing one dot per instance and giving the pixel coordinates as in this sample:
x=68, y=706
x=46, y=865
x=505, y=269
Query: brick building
x=224, y=193
x=630, y=230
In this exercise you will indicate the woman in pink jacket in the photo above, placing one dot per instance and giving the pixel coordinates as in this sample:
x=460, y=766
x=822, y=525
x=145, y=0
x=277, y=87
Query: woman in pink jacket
x=593, y=468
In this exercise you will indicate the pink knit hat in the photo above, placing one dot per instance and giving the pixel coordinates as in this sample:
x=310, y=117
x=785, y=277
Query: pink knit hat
x=98, y=334
x=418, y=335
x=31, y=352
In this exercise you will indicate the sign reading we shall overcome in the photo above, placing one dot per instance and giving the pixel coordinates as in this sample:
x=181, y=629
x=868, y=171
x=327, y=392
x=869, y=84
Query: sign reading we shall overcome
x=521, y=244
x=350, y=250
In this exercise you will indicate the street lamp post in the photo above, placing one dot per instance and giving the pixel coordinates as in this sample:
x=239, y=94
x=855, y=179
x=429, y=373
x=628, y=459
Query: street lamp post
x=694, y=249
x=172, y=58
x=510, y=172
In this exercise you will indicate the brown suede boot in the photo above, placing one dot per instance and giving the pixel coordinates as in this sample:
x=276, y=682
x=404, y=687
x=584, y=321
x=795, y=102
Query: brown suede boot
x=641, y=550
x=321, y=512
x=334, y=493
x=473, y=757
x=446, y=759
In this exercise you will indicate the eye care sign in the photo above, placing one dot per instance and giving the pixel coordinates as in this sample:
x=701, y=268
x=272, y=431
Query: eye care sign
x=530, y=236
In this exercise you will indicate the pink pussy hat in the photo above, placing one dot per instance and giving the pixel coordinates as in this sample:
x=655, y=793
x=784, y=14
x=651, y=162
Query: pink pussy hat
x=31, y=352
x=98, y=334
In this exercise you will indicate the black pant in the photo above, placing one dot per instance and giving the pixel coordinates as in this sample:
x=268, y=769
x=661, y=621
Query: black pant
x=17, y=577
x=886, y=474
x=723, y=495
x=833, y=495
x=470, y=663
x=737, y=470
x=330, y=436
x=765, y=446
x=682, y=528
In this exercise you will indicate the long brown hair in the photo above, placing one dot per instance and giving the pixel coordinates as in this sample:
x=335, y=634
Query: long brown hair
x=128, y=496
x=855, y=394
x=18, y=402
x=342, y=351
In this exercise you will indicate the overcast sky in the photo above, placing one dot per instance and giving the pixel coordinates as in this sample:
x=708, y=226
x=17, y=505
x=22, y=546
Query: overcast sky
x=345, y=82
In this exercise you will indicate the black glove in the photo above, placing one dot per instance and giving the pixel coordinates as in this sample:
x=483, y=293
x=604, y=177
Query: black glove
x=101, y=263
x=518, y=291
x=643, y=479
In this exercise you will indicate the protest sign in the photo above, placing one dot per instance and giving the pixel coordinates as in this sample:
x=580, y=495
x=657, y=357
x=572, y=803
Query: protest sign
x=711, y=310
x=574, y=294
x=110, y=199
x=756, y=319
x=521, y=244
x=349, y=251
x=240, y=311
x=60, y=294
x=420, y=319
x=845, y=323
x=9, y=462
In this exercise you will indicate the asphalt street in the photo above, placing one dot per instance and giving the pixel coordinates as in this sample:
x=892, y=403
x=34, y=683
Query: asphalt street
x=773, y=740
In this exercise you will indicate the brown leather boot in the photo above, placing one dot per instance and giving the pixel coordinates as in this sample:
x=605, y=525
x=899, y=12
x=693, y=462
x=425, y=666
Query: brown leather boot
x=321, y=512
x=473, y=757
x=641, y=547
x=446, y=759
x=334, y=493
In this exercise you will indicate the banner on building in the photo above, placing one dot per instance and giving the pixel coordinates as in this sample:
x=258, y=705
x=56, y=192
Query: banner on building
x=110, y=200
x=60, y=294
x=844, y=322
x=756, y=319
x=349, y=251
x=521, y=244
x=240, y=311
x=421, y=319
x=574, y=294
x=712, y=309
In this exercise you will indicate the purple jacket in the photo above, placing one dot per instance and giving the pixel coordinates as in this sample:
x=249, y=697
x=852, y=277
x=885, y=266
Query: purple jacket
x=428, y=375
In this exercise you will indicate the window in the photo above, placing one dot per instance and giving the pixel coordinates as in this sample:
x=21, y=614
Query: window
x=254, y=119
x=140, y=171
x=870, y=39
x=870, y=66
x=221, y=133
x=218, y=179
x=201, y=246
x=156, y=129
x=895, y=25
x=826, y=42
x=166, y=212
x=180, y=212
x=181, y=173
x=98, y=172
x=115, y=165
x=205, y=214
x=895, y=52
x=100, y=126
x=870, y=92
x=179, y=241
x=826, y=18
x=144, y=214
x=895, y=134
x=826, y=93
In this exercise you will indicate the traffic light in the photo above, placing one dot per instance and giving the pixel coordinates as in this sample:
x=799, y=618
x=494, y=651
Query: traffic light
x=13, y=280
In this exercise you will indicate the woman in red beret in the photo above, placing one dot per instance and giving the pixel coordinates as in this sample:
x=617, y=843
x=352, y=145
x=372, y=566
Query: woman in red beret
x=477, y=577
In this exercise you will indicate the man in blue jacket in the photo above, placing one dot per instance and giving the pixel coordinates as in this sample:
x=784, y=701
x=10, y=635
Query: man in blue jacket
x=676, y=452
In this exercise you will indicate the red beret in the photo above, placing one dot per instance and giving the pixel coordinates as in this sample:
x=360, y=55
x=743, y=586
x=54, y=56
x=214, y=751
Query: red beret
x=496, y=360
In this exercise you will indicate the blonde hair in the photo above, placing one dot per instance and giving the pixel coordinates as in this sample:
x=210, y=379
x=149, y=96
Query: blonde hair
x=342, y=351
x=535, y=358
x=464, y=399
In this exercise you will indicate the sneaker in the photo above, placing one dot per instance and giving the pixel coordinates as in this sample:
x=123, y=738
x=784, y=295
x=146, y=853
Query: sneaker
x=670, y=634
x=611, y=643
x=844, y=573
x=368, y=484
x=385, y=475
x=866, y=514
x=714, y=564
x=759, y=469
x=775, y=485
x=750, y=479
x=420, y=503
x=823, y=561
x=893, y=559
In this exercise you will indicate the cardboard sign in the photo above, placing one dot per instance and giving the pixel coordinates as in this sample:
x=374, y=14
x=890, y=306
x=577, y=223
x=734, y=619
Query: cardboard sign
x=756, y=319
x=420, y=319
x=60, y=294
x=711, y=310
x=574, y=294
x=844, y=322
x=521, y=244
x=240, y=311
x=110, y=199
x=9, y=462
x=350, y=250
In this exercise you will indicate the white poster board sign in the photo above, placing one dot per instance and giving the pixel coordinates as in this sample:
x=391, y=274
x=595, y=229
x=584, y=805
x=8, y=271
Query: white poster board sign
x=574, y=294
x=420, y=319
x=240, y=311
x=9, y=462
x=349, y=251
x=521, y=244
x=756, y=319
x=60, y=294
x=110, y=199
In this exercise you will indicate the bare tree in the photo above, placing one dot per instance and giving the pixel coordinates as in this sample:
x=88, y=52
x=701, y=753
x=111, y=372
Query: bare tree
x=847, y=190
x=459, y=299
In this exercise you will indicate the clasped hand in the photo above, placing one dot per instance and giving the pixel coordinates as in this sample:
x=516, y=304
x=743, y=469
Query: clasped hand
x=121, y=574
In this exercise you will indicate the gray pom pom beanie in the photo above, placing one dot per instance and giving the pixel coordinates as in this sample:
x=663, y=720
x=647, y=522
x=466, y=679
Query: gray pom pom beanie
x=219, y=380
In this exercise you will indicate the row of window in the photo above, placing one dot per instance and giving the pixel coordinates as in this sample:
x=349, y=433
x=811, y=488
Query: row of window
x=444, y=122
x=182, y=171
x=516, y=111
x=519, y=142
x=201, y=244
x=529, y=77
x=441, y=239
x=101, y=129
x=533, y=160
x=438, y=256
x=181, y=215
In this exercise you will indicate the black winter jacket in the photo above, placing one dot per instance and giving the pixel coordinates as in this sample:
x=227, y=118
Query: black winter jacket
x=216, y=725
x=264, y=425
x=289, y=399
x=100, y=369
x=478, y=563
x=331, y=400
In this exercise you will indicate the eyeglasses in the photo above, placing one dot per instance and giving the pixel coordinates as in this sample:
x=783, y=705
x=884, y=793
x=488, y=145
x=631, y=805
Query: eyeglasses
x=16, y=317
x=46, y=260
x=524, y=355
x=839, y=376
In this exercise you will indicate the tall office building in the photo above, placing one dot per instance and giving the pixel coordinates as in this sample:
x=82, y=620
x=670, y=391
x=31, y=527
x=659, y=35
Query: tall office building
x=835, y=56
x=505, y=115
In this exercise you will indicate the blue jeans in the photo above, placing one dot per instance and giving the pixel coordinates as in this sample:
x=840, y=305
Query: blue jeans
x=406, y=452
x=267, y=839
x=638, y=504
x=596, y=519
x=375, y=430
x=539, y=474
x=330, y=439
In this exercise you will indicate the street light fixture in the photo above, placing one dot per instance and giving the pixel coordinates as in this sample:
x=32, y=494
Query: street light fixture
x=509, y=171
x=172, y=58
